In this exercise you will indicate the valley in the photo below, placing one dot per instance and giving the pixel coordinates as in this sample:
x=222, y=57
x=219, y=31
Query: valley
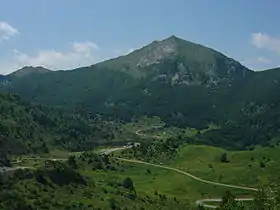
x=186, y=176
x=173, y=124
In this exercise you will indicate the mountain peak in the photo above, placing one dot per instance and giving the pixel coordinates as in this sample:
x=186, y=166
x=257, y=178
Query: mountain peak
x=174, y=38
x=177, y=58
x=157, y=51
x=26, y=70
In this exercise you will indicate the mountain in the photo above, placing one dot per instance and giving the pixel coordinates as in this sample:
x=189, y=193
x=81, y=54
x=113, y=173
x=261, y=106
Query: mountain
x=185, y=84
x=189, y=63
x=2, y=78
x=25, y=128
x=26, y=70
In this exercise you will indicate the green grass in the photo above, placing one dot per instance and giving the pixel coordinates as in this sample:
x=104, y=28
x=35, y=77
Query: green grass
x=167, y=182
x=145, y=126
x=245, y=203
x=196, y=160
x=94, y=195
x=102, y=185
x=149, y=181
x=243, y=167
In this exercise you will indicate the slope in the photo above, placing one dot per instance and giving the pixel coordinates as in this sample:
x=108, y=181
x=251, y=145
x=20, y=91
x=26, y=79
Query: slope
x=192, y=61
x=253, y=117
x=184, y=83
x=25, y=128
x=26, y=70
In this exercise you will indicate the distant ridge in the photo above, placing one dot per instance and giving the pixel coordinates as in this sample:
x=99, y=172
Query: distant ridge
x=26, y=70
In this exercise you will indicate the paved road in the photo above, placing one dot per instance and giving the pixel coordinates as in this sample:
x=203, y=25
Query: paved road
x=10, y=169
x=41, y=158
x=203, y=201
x=102, y=151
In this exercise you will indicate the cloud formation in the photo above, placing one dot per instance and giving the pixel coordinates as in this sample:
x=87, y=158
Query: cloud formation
x=258, y=63
x=265, y=41
x=79, y=54
x=263, y=60
x=84, y=47
x=7, y=31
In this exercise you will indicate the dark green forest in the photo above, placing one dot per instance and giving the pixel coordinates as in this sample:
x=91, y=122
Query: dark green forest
x=26, y=128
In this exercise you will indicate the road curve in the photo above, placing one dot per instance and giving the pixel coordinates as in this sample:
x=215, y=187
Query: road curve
x=202, y=201
x=189, y=175
x=42, y=158
x=198, y=202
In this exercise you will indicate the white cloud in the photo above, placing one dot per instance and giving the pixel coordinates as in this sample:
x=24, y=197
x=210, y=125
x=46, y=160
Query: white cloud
x=265, y=41
x=263, y=60
x=79, y=54
x=85, y=47
x=258, y=63
x=7, y=31
x=259, y=59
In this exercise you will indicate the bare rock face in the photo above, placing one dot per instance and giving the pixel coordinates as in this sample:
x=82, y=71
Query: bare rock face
x=158, y=51
x=177, y=61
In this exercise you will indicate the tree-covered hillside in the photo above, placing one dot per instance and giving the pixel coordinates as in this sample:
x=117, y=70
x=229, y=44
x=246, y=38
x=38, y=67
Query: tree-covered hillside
x=253, y=113
x=179, y=81
x=185, y=84
x=27, y=128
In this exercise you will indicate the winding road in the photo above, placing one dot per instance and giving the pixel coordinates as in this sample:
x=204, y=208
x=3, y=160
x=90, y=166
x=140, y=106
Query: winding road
x=188, y=174
x=203, y=201
x=200, y=202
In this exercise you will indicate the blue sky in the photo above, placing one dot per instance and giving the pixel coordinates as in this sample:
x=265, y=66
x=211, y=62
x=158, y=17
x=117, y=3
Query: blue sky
x=63, y=34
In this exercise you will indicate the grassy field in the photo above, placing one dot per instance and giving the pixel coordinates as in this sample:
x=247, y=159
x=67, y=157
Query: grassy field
x=244, y=168
x=154, y=128
x=95, y=195
x=103, y=185
x=149, y=180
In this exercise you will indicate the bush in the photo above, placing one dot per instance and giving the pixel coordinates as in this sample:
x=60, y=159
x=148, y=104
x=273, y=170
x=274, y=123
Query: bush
x=59, y=173
x=113, y=204
x=72, y=162
x=262, y=164
x=4, y=160
x=224, y=158
x=128, y=183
